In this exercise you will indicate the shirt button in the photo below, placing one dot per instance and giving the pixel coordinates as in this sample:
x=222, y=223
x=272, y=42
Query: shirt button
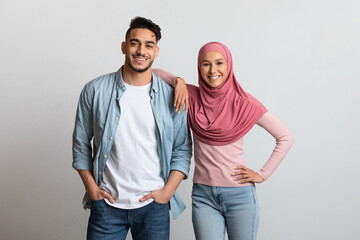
x=123, y=88
x=110, y=138
x=99, y=173
x=105, y=155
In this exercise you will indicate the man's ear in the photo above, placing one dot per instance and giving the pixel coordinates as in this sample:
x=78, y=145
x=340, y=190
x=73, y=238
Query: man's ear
x=123, y=47
x=156, y=51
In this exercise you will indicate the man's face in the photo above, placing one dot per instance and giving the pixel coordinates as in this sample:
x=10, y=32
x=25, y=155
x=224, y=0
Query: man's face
x=140, y=49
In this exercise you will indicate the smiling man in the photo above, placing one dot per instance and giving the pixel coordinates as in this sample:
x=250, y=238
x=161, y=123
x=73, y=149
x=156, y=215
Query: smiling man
x=140, y=149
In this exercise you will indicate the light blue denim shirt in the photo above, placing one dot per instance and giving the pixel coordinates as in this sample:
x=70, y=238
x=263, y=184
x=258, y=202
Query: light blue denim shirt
x=97, y=119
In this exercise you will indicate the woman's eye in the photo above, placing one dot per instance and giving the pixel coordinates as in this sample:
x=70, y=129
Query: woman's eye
x=219, y=63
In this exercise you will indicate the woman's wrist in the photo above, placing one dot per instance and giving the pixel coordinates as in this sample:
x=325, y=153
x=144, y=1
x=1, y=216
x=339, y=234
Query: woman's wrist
x=179, y=80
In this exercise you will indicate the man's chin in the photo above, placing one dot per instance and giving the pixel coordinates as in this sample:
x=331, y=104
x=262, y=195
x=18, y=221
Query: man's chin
x=139, y=70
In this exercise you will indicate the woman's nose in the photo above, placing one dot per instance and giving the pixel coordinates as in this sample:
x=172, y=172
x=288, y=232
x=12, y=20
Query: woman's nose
x=213, y=68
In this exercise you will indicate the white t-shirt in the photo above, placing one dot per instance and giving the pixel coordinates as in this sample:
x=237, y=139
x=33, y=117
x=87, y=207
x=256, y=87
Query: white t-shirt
x=133, y=167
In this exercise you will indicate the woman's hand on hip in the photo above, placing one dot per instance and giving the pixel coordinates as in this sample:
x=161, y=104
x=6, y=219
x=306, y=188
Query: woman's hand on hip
x=246, y=175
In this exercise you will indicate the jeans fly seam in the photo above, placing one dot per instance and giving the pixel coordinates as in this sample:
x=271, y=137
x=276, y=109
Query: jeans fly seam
x=129, y=217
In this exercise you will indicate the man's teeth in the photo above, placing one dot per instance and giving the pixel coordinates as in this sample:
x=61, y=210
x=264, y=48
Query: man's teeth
x=141, y=59
x=215, y=77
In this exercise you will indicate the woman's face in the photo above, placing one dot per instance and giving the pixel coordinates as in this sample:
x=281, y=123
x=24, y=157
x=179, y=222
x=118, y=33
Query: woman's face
x=213, y=68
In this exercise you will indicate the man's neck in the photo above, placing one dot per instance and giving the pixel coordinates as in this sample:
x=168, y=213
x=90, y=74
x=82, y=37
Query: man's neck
x=136, y=78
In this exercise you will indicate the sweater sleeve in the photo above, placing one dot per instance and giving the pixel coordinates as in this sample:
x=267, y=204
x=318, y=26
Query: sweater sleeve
x=284, y=141
x=169, y=78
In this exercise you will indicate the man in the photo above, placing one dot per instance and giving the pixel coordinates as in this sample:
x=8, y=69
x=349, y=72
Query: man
x=140, y=148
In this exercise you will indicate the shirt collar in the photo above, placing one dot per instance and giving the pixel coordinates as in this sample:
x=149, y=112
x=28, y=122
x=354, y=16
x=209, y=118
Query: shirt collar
x=155, y=83
x=120, y=81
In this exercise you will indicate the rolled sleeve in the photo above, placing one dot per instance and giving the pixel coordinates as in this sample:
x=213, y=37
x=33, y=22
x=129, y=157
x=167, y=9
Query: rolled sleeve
x=182, y=146
x=83, y=132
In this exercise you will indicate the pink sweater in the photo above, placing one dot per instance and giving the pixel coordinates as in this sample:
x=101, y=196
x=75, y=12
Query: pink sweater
x=215, y=164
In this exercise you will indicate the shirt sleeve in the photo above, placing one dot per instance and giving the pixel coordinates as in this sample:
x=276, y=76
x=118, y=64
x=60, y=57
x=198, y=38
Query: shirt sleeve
x=182, y=145
x=169, y=78
x=83, y=132
x=284, y=141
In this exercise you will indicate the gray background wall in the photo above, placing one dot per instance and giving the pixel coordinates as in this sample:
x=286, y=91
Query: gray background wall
x=299, y=57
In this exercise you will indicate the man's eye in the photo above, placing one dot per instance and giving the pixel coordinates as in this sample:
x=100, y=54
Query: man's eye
x=149, y=46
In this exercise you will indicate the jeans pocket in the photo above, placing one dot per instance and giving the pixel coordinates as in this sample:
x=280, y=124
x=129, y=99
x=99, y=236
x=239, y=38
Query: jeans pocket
x=195, y=185
x=98, y=200
x=96, y=203
x=161, y=204
x=255, y=198
x=195, y=189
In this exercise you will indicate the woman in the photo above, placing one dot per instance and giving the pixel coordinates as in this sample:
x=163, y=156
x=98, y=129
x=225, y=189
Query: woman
x=220, y=114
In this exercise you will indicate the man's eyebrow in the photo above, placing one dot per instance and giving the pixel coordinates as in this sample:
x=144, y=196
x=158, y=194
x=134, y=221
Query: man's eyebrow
x=138, y=41
x=134, y=40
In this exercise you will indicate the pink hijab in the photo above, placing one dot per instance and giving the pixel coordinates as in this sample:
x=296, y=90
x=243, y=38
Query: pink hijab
x=222, y=115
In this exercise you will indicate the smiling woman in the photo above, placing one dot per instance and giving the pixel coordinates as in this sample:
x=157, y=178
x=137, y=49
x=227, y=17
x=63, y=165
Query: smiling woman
x=213, y=68
x=220, y=114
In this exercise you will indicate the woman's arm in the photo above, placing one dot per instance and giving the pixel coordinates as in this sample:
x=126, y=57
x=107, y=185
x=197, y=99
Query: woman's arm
x=169, y=78
x=284, y=140
x=181, y=93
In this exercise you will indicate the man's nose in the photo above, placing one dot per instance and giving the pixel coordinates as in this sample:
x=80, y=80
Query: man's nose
x=141, y=49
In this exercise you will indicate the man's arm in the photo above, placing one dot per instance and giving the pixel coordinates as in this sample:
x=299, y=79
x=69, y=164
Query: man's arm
x=83, y=132
x=180, y=160
x=95, y=193
x=164, y=194
x=82, y=150
x=182, y=145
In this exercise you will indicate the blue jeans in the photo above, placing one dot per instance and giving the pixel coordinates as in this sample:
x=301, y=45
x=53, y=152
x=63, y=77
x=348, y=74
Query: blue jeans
x=216, y=209
x=151, y=222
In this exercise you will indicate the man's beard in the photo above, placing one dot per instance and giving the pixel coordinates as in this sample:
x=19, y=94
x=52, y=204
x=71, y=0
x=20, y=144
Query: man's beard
x=139, y=70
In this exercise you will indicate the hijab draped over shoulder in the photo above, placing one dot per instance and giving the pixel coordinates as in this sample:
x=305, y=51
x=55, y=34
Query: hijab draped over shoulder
x=221, y=115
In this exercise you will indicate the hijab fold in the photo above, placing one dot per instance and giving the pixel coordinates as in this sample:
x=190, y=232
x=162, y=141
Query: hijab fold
x=222, y=115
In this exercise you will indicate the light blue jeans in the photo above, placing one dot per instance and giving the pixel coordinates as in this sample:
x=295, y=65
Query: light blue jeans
x=216, y=209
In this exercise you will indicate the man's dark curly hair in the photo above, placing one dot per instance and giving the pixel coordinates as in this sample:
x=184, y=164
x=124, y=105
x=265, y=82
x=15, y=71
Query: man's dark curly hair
x=140, y=22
